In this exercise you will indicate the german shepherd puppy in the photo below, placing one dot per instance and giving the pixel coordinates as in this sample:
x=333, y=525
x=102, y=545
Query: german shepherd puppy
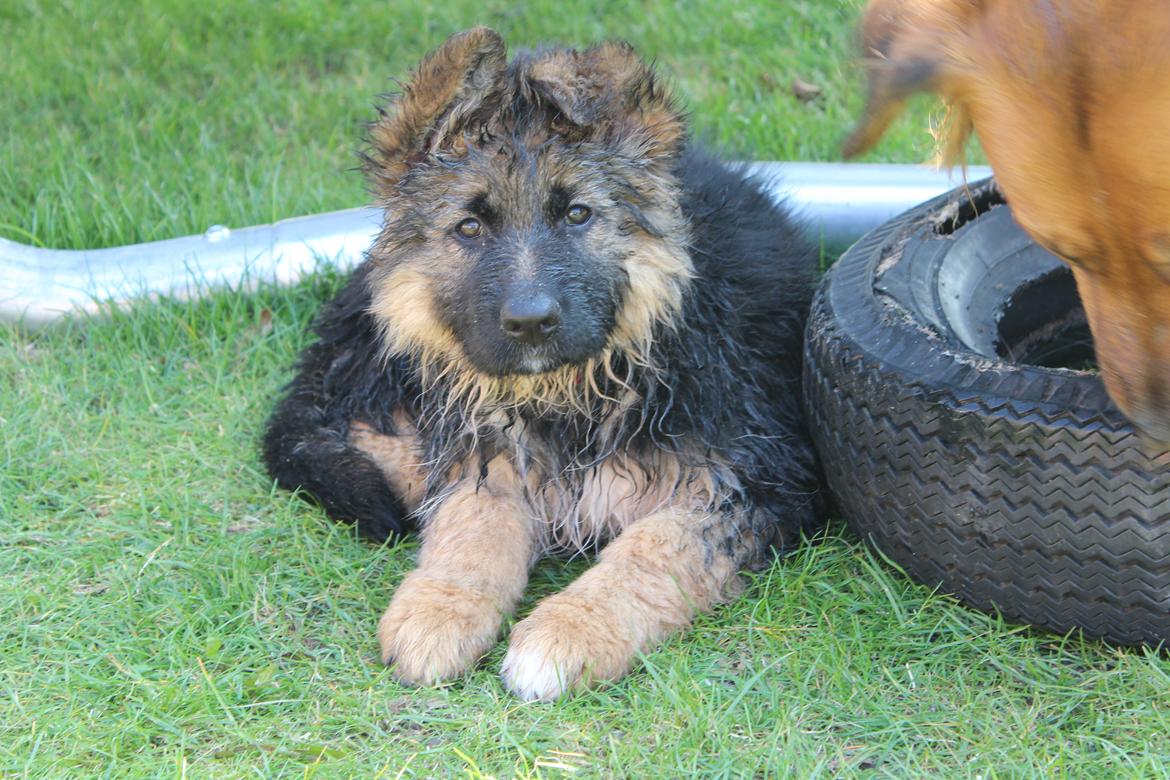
x=574, y=330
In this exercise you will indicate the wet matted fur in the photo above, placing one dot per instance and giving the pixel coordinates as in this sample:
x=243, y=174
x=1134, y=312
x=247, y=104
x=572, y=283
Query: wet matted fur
x=574, y=331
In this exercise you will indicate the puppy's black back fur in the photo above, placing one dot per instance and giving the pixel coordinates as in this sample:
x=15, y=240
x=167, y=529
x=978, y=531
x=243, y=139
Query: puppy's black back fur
x=734, y=363
x=340, y=378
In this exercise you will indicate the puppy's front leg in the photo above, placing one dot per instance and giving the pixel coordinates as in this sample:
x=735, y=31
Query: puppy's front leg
x=472, y=569
x=649, y=582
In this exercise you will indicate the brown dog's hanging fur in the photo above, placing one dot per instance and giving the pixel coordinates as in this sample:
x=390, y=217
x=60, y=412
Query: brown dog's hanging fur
x=1071, y=101
x=574, y=330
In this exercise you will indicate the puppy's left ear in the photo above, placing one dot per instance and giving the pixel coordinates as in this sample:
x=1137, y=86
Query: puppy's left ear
x=910, y=46
x=609, y=93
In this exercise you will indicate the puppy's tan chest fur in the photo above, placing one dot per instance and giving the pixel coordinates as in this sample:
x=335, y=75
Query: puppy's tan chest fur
x=596, y=504
x=579, y=505
x=575, y=506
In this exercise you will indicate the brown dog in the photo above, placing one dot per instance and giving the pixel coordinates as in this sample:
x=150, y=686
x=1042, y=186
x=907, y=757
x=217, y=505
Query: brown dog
x=1071, y=101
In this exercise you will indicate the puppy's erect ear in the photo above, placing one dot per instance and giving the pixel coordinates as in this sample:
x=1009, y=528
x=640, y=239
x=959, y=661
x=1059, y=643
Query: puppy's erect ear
x=451, y=86
x=911, y=46
x=608, y=92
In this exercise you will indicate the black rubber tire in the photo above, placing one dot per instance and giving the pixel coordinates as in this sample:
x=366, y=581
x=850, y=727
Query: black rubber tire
x=1016, y=487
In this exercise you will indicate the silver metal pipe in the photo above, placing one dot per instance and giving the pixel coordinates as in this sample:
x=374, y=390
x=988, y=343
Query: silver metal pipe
x=838, y=203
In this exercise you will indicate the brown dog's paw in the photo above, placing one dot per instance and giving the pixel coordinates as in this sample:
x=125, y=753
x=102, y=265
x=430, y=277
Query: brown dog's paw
x=564, y=644
x=434, y=630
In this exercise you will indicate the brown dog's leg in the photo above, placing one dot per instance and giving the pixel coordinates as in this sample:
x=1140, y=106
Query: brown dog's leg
x=650, y=581
x=472, y=569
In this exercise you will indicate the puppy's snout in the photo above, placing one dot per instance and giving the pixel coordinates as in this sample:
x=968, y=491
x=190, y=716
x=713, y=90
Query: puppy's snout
x=530, y=316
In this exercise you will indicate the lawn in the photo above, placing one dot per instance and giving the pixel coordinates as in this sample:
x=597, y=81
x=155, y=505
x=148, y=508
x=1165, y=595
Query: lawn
x=164, y=612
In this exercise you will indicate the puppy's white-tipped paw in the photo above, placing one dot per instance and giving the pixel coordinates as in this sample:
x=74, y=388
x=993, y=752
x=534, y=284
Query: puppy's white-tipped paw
x=565, y=644
x=531, y=676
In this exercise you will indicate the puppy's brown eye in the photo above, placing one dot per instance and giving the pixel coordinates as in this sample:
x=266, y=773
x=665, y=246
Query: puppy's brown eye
x=578, y=214
x=469, y=228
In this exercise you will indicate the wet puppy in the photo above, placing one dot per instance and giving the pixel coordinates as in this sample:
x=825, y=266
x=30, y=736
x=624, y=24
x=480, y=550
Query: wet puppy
x=575, y=330
x=1071, y=101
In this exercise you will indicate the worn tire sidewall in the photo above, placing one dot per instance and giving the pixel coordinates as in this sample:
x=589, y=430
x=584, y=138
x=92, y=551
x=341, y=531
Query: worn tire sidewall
x=1017, y=488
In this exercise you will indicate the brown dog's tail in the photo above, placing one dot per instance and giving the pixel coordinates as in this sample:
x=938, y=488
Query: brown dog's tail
x=913, y=46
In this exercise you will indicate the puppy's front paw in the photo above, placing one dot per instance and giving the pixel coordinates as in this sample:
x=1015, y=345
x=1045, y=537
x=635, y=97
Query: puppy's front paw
x=434, y=630
x=566, y=643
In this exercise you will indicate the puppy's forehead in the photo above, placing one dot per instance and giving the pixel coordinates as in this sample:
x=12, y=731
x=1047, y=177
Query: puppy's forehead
x=522, y=179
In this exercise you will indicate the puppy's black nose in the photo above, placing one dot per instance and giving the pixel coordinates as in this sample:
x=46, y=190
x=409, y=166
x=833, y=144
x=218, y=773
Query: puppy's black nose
x=530, y=316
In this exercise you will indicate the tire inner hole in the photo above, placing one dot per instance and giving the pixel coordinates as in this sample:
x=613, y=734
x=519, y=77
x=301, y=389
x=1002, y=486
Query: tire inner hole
x=1044, y=324
x=1041, y=323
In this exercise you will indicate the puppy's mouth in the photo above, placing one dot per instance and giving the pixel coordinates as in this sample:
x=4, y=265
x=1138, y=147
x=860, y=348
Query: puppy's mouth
x=538, y=364
x=532, y=361
x=515, y=360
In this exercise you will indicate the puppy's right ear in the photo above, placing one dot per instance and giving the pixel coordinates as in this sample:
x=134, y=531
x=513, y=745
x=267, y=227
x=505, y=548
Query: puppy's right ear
x=449, y=87
x=910, y=46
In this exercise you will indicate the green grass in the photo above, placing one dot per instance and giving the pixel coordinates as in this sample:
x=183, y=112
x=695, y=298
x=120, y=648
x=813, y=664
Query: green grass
x=165, y=613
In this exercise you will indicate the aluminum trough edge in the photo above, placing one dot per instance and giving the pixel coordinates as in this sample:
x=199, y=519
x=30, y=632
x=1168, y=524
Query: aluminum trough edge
x=837, y=203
